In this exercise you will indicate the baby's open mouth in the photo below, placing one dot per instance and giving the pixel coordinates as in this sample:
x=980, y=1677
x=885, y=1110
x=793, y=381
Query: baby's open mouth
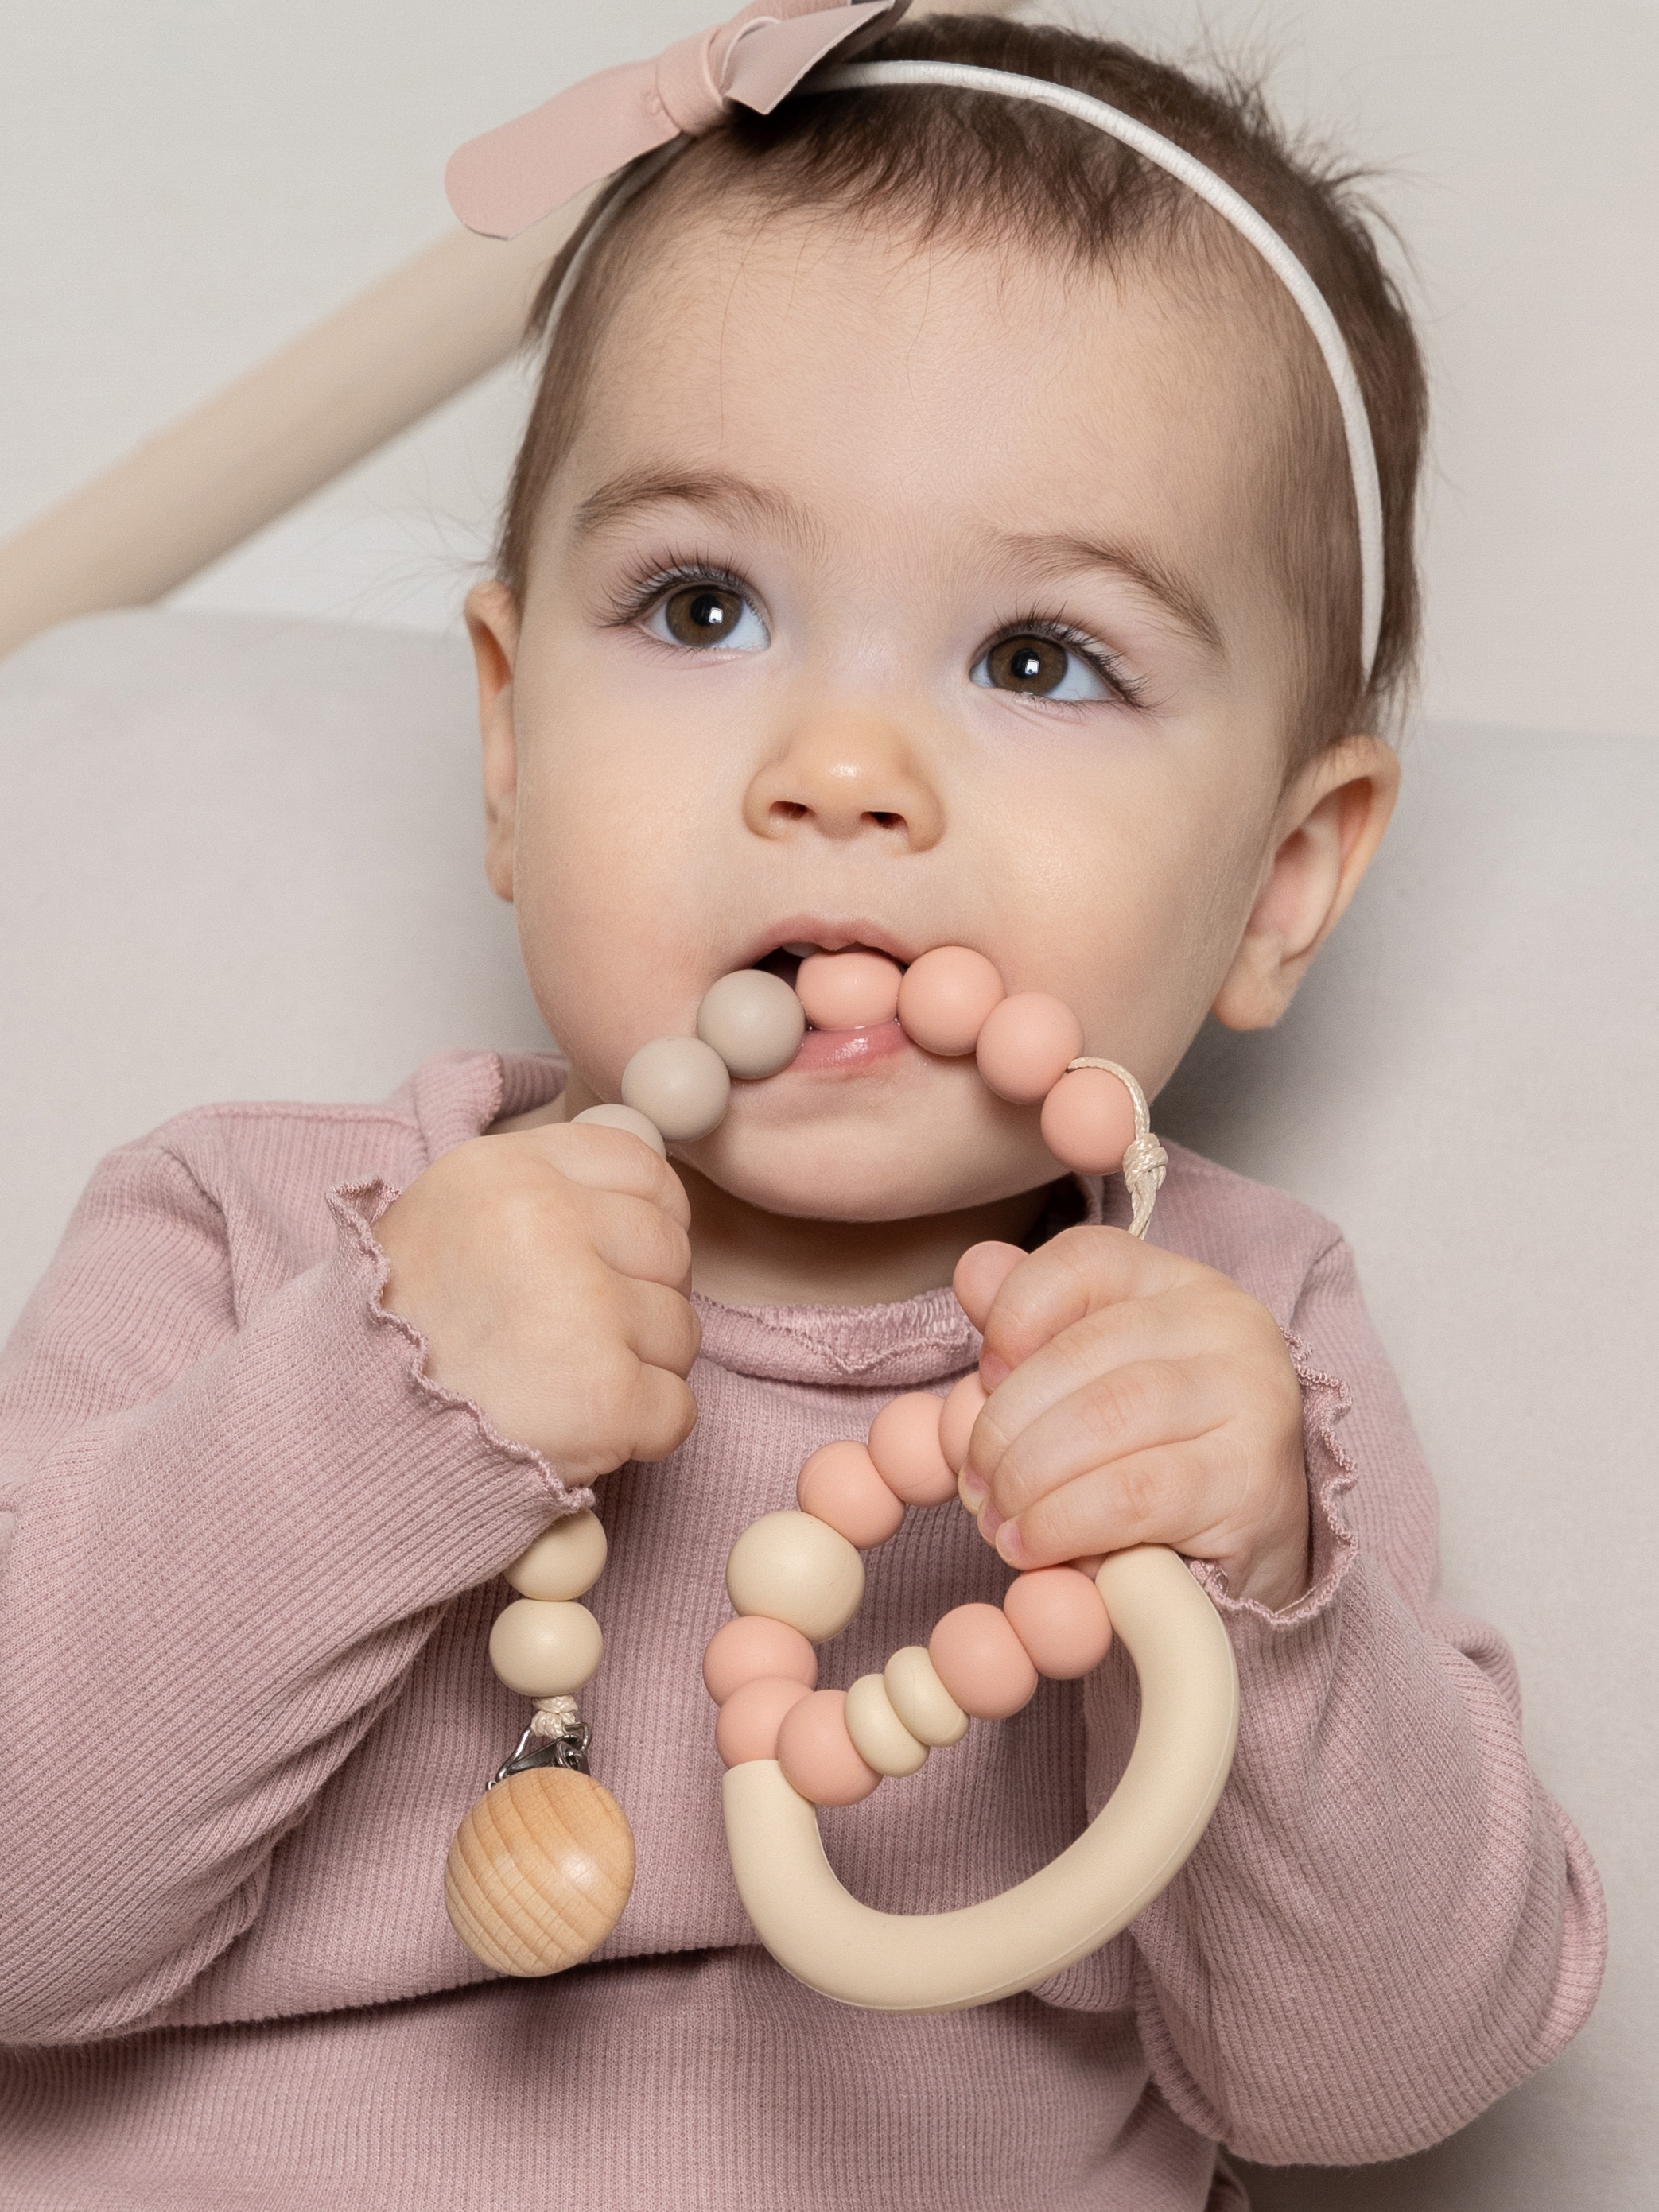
x=785, y=961
x=851, y=997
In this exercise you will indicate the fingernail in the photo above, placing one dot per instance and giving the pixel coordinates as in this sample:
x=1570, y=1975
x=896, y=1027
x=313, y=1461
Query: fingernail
x=990, y=1522
x=993, y=1371
x=1010, y=1544
x=971, y=1490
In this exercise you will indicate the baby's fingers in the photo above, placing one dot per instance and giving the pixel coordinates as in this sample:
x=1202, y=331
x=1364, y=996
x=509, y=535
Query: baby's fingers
x=662, y=1327
x=666, y=1413
x=1111, y=1417
x=637, y=1239
x=603, y=1158
x=981, y=1273
x=1164, y=1495
x=1080, y=1272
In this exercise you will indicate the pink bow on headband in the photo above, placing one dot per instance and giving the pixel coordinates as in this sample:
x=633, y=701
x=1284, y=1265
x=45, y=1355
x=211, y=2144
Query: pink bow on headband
x=500, y=184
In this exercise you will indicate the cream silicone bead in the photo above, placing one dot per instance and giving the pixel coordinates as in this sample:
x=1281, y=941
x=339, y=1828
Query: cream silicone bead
x=878, y=1734
x=754, y=1021
x=921, y=1700
x=607, y=1117
x=796, y=1568
x=545, y=1651
x=565, y=1561
x=680, y=1083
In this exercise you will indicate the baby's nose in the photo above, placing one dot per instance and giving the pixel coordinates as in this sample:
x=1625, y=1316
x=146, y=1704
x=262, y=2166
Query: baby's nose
x=843, y=777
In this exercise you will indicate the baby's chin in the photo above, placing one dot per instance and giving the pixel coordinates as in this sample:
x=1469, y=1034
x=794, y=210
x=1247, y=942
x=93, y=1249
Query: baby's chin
x=870, y=1168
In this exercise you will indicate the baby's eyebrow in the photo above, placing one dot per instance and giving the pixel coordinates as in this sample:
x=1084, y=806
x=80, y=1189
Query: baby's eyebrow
x=715, y=490
x=1059, y=556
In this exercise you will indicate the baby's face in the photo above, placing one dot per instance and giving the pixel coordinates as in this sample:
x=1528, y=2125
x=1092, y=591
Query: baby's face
x=896, y=598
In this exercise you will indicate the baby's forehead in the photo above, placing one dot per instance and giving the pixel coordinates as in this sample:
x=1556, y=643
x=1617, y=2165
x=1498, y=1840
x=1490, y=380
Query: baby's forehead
x=962, y=384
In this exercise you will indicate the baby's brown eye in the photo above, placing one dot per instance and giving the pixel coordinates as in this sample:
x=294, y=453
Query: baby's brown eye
x=1035, y=666
x=702, y=614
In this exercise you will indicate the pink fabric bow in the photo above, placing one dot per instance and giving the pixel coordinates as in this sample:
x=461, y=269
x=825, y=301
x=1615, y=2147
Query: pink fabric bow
x=500, y=184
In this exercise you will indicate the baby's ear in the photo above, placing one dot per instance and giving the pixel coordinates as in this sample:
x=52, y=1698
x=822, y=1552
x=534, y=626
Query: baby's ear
x=1330, y=823
x=492, y=623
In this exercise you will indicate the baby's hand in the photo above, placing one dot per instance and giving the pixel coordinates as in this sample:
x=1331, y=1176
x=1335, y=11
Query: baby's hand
x=547, y=1269
x=1136, y=1398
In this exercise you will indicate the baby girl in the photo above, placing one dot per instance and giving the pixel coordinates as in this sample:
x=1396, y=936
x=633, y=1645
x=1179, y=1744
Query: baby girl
x=937, y=526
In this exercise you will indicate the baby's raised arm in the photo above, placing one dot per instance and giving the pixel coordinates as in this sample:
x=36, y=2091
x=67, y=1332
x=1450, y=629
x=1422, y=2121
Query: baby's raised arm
x=1388, y=1922
x=241, y=1509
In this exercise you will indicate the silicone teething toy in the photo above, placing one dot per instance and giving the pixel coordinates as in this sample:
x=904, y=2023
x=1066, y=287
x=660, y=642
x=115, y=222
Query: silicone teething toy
x=541, y=1868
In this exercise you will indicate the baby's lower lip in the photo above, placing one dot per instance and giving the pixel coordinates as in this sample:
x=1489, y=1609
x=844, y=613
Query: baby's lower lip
x=850, y=1050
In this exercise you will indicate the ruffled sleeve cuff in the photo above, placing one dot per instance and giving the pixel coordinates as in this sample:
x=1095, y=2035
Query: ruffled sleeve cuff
x=356, y=1207
x=1331, y=1472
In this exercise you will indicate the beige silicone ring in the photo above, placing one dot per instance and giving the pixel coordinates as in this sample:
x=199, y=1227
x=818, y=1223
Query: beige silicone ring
x=1134, y=1845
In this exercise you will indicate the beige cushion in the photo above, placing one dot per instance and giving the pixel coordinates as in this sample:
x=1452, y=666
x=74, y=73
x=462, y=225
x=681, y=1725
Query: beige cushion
x=239, y=858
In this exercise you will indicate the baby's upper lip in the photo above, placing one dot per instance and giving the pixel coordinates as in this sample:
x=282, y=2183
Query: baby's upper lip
x=833, y=932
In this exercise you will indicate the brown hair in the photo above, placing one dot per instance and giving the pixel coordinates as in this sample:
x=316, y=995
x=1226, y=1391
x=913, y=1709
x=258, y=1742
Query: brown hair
x=974, y=167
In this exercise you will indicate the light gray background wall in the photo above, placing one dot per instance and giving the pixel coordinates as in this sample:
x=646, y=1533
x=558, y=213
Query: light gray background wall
x=183, y=184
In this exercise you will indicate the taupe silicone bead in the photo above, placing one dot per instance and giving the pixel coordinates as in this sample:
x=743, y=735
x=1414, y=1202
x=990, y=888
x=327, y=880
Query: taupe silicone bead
x=624, y=1117
x=678, y=1083
x=545, y=1651
x=563, y=1562
x=754, y=1021
x=795, y=1569
x=921, y=1700
x=879, y=1735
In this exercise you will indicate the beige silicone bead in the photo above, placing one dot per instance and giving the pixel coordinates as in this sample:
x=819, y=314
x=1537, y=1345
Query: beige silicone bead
x=796, y=1568
x=921, y=1700
x=563, y=1562
x=754, y=1021
x=624, y=1117
x=881, y=1737
x=680, y=1083
x=543, y=1650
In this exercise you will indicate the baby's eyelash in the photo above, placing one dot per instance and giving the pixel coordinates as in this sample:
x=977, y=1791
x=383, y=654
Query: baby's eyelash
x=1106, y=665
x=640, y=593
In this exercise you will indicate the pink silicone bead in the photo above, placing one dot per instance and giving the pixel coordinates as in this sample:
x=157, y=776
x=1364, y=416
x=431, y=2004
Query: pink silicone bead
x=817, y=1755
x=956, y=1423
x=751, y=1717
x=982, y=1662
x=905, y=1447
x=944, y=998
x=1061, y=1618
x=1026, y=1045
x=1088, y=1120
x=840, y=1484
x=751, y=1647
x=848, y=990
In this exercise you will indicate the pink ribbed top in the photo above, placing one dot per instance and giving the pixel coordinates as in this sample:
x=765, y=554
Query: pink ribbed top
x=244, y=1700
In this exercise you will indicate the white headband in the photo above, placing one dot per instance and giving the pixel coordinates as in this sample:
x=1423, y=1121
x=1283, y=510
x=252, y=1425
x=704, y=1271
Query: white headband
x=1166, y=155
